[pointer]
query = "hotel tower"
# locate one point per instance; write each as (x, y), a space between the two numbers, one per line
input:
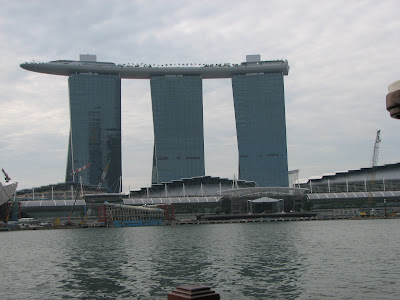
(177, 102)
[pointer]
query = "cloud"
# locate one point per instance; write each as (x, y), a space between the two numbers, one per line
(342, 57)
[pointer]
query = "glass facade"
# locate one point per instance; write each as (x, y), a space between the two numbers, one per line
(177, 103)
(95, 135)
(261, 128)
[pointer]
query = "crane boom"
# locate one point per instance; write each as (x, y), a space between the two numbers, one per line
(103, 175)
(375, 154)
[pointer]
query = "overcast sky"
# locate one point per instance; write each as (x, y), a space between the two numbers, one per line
(342, 57)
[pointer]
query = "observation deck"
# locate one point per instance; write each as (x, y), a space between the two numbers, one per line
(147, 71)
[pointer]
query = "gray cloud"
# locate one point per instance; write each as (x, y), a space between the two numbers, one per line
(342, 56)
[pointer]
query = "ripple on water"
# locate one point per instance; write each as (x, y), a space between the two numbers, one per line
(295, 260)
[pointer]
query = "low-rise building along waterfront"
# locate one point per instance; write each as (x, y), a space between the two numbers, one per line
(373, 186)
(197, 195)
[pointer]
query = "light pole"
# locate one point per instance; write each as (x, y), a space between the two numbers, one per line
(384, 201)
(249, 208)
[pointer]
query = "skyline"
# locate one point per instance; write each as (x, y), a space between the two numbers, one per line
(177, 107)
(342, 65)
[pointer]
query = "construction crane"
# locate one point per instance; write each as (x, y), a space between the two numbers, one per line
(374, 163)
(103, 175)
(77, 194)
(73, 206)
(375, 155)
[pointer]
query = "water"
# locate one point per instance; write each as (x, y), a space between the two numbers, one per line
(281, 260)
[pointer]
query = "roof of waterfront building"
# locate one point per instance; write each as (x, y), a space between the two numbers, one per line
(61, 186)
(353, 172)
(51, 203)
(89, 64)
(276, 191)
(353, 195)
(171, 200)
(194, 186)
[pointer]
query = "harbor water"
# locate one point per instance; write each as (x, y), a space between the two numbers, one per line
(341, 259)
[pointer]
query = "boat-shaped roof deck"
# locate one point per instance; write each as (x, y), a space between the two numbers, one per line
(147, 71)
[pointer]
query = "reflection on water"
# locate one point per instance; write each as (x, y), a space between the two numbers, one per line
(94, 266)
(295, 260)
